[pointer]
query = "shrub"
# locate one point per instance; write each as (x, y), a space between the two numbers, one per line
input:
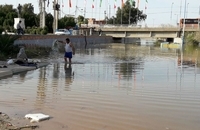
(43, 32)
(7, 47)
(1, 29)
(192, 38)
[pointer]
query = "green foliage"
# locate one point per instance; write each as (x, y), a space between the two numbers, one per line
(7, 15)
(192, 38)
(32, 20)
(66, 22)
(29, 16)
(2, 57)
(197, 36)
(80, 19)
(136, 15)
(7, 47)
(86, 21)
(35, 30)
(49, 23)
(1, 29)
(43, 32)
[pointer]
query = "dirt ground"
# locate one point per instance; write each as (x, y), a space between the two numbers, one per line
(6, 123)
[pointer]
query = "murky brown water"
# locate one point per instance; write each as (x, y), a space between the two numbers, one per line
(113, 88)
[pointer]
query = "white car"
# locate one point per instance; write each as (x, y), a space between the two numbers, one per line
(62, 32)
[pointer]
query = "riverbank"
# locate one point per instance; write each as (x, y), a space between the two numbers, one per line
(6, 123)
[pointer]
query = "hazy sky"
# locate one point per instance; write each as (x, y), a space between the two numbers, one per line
(158, 11)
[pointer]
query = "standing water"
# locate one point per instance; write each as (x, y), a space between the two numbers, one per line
(112, 87)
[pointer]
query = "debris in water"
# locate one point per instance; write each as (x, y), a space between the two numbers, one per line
(37, 117)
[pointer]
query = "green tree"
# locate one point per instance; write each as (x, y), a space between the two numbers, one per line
(80, 19)
(66, 22)
(49, 23)
(29, 16)
(136, 15)
(7, 15)
(7, 47)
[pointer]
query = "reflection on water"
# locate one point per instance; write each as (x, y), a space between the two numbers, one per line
(22, 76)
(41, 87)
(68, 75)
(111, 87)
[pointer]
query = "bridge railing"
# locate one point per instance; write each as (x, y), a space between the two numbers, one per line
(137, 26)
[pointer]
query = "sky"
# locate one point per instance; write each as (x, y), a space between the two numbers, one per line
(159, 12)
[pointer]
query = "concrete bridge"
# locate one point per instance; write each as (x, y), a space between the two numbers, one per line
(143, 32)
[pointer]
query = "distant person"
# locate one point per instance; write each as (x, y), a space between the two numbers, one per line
(19, 28)
(69, 50)
(21, 56)
(100, 32)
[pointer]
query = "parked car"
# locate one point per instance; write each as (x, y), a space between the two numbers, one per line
(62, 32)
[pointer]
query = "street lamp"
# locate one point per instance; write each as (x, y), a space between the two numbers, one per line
(199, 19)
(183, 35)
(176, 19)
(121, 16)
(187, 10)
(171, 10)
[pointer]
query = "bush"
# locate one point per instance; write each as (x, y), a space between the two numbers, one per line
(43, 32)
(7, 47)
(192, 38)
(2, 57)
(1, 29)
(38, 30)
(33, 31)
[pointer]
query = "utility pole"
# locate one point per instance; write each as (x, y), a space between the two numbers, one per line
(129, 17)
(171, 11)
(180, 9)
(105, 16)
(56, 8)
(183, 36)
(84, 12)
(109, 11)
(199, 19)
(187, 11)
(42, 13)
(121, 16)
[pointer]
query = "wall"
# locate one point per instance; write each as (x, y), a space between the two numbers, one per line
(47, 40)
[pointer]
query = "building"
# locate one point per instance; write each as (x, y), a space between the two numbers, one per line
(190, 23)
(94, 22)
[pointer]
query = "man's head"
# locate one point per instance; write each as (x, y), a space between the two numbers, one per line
(67, 40)
(20, 21)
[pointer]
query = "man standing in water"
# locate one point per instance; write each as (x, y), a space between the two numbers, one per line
(69, 50)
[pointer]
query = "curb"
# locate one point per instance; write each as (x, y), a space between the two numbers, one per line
(16, 69)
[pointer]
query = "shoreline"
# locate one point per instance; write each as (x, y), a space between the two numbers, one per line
(10, 70)
(6, 123)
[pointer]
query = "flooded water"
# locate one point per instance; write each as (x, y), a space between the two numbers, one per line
(113, 87)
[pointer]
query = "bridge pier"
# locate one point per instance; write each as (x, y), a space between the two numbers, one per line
(150, 34)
